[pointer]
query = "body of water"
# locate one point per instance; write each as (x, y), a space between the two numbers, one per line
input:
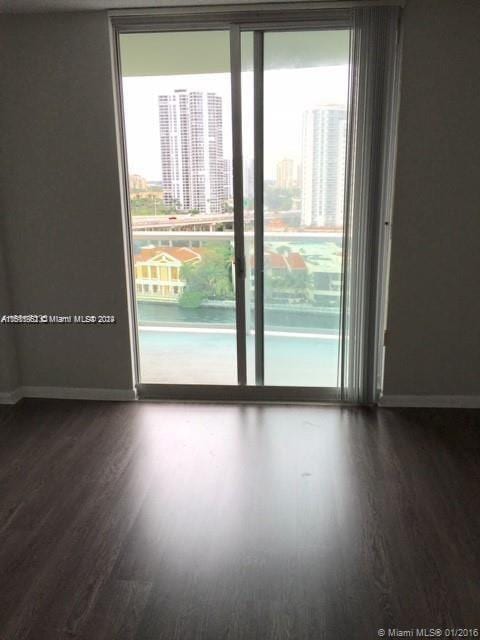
(279, 319)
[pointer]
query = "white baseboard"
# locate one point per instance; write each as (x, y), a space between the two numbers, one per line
(460, 402)
(87, 393)
(10, 397)
(68, 393)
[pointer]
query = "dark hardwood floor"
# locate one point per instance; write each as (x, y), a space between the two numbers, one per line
(146, 521)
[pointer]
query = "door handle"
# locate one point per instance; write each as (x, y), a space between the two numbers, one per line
(240, 266)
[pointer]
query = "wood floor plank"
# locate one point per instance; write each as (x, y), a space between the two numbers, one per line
(145, 521)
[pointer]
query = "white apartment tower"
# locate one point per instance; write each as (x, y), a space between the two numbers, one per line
(191, 147)
(323, 163)
(227, 179)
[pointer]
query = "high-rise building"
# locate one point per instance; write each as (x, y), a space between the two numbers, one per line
(248, 178)
(227, 179)
(323, 166)
(285, 173)
(191, 146)
(299, 175)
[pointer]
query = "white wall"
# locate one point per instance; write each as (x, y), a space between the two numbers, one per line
(9, 374)
(60, 197)
(434, 308)
(61, 201)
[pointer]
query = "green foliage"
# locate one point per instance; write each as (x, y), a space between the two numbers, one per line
(296, 283)
(191, 299)
(148, 207)
(277, 199)
(209, 279)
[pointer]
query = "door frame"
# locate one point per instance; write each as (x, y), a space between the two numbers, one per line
(235, 19)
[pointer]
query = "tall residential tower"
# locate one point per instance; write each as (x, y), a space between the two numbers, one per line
(191, 146)
(323, 163)
(285, 172)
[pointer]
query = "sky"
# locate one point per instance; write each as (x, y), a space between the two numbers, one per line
(287, 94)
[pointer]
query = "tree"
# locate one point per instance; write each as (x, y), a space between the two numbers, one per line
(145, 206)
(191, 300)
(278, 199)
(209, 279)
(288, 283)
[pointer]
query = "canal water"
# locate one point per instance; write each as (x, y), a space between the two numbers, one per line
(279, 319)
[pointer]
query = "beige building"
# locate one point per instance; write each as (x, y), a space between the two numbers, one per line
(137, 183)
(158, 272)
(285, 174)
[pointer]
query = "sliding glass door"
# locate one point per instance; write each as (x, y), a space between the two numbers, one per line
(305, 114)
(178, 123)
(242, 151)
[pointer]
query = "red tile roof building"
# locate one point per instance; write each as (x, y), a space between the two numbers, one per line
(158, 272)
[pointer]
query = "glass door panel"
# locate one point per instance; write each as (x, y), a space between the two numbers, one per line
(257, 198)
(290, 93)
(305, 102)
(178, 128)
(248, 198)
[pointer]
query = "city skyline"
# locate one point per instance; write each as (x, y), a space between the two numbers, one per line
(196, 176)
(283, 109)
